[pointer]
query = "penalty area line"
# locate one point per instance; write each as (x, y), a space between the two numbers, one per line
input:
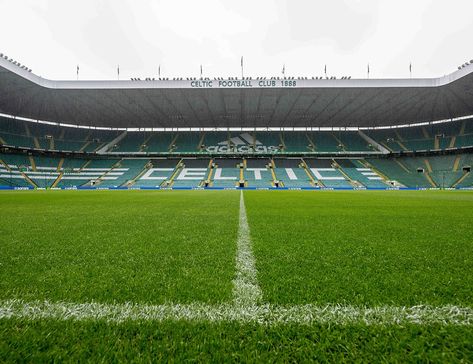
(270, 315)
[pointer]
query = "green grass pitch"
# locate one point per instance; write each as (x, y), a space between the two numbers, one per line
(349, 248)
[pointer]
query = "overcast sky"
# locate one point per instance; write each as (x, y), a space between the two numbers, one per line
(53, 37)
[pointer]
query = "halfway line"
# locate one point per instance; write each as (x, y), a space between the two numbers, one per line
(246, 290)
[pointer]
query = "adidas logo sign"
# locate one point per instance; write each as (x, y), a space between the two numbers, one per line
(242, 143)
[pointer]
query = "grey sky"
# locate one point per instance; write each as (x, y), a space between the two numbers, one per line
(52, 37)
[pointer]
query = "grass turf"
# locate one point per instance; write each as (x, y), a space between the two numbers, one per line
(115, 246)
(363, 247)
(47, 341)
(340, 247)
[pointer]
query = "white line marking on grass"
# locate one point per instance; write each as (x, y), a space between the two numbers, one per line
(246, 291)
(262, 314)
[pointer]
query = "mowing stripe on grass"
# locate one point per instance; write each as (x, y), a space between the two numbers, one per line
(246, 290)
(260, 314)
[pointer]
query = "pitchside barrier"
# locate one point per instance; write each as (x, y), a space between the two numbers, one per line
(82, 188)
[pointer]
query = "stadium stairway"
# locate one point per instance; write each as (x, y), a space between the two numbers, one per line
(145, 169)
(428, 166)
(456, 163)
(313, 181)
(172, 145)
(462, 128)
(400, 140)
(452, 141)
(210, 170)
(144, 146)
(272, 166)
(57, 180)
(7, 167)
(86, 164)
(341, 145)
(59, 166)
(36, 143)
(430, 180)
(425, 133)
(29, 180)
(352, 182)
(201, 141)
(177, 170)
(428, 175)
(11, 176)
(32, 163)
(402, 165)
(84, 147)
(384, 177)
(462, 179)
(402, 145)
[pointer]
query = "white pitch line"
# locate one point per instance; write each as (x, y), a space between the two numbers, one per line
(261, 314)
(246, 290)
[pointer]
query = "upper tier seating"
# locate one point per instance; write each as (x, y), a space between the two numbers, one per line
(18, 133)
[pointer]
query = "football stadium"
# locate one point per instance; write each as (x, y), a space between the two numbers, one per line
(247, 219)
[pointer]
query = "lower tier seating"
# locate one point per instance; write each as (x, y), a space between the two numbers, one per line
(21, 170)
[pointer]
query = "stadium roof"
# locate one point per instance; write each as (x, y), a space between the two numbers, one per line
(236, 103)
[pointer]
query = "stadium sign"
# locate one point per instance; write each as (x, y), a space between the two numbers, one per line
(242, 83)
(243, 143)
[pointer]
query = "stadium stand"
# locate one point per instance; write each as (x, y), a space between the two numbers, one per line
(425, 156)
(324, 142)
(187, 142)
(351, 141)
(193, 173)
(18, 133)
(20, 170)
(359, 174)
(158, 142)
(327, 173)
(292, 173)
(398, 172)
(303, 136)
(158, 173)
(257, 173)
(227, 173)
(296, 142)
